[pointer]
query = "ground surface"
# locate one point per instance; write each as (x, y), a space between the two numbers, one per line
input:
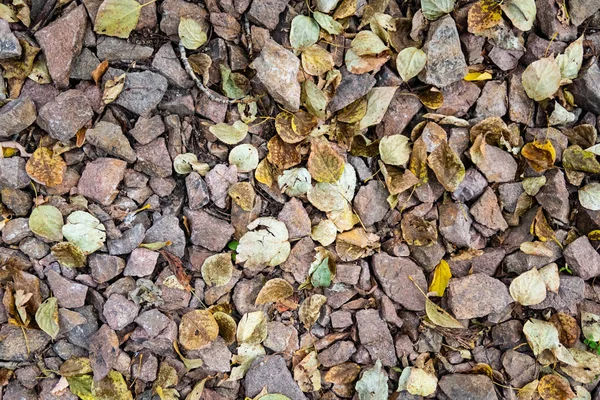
(299, 200)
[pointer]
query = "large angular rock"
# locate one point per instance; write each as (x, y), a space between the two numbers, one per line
(337, 353)
(167, 63)
(173, 10)
(393, 275)
(104, 267)
(100, 179)
(65, 115)
(266, 12)
(104, 351)
(476, 296)
(271, 372)
(520, 106)
(493, 100)
(16, 116)
(400, 112)
(111, 139)
(61, 42)
(84, 65)
(167, 229)
(455, 223)
(582, 258)
(486, 211)
(471, 186)
(375, 335)
(467, 387)
(554, 196)
(277, 69)
(208, 231)
(370, 203)
(497, 165)
(142, 91)
(13, 346)
(68, 293)
(445, 61)
(114, 49)
(296, 219)
(9, 44)
(586, 89)
(549, 25)
(352, 87)
(153, 158)
(571, 293)
(119, 311)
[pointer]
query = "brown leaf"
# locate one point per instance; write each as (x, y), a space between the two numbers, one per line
(342, 373)
(417, 231)
(266, 173)
(540, 156)
(283, 155)
(577, 159)
(99, 71)
(310, 309)
(274, 290)
(483, 15)
(227, 326)
(294, 127)
(418, 160)
(356, 244)
(197, 329)
(324, 163)
(177, 267)
(243, 194)
(555, 387)
(396, 179)
(568, 329)
(541, 228)
(46, 168)
(447, 166)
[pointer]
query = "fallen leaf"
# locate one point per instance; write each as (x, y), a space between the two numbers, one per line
(541, 228)
(47, 221)
(394, 150)
(342, 374)
(541, 79)
(68, 254)
(314, 99)
(529, 391)
(19, 68)
(187, 162)
(197, 329)
(555, 387)
(243, 194)
(586, 368)
(45, 167)
(520, 12)
(324, 163)
(440, 317)
(81, 386)
(441, 278)
(117, 17)
(397, 180)
(217, 269)
(550, 276)
(577, 159)
(542, 335)
(201, 63)
(528, 288)
(113, 88)
(483, 15)
(244, 157)
(283, 155)
(316, 60)
(590, 326)
(266, 246)
(307, 374)
(447, 166)
(373, 383)
(189, 363)
(324, 232)
(589, 196)
(378, 101)
(295, 181)
(417, 381)
(99, 71)
(113, 386)
(304, 32)
(431, 98)
(230, 134)
(336, 196)
(309, 310)
(540, 156)
(362, 64)
(246, 354)
(568, 330)
(417, 231)
(274, 290)
(478, 76)
(192, 33)
(328, 23)
(234, 85)
(356, 243)
(410, 62)
(85, 231)
(252, 328)
(227, 326)
(196, 393)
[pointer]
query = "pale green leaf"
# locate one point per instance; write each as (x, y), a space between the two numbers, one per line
(313, 98)
(244, 157)
(541, 79)
(590, 326)
(230, 134)
(542, 335)
(328, 23)
(589, 196)
(85, 231)
(192, 33)
(295, 181)
(46, 317)
(394, 149)
(373, 384)
(252, 328)
(433, 9)
(520, 12)
(366, 43)
(46, 221)
(410, 62)
(303, 32)
(265, 246)
(378, 101)
(334, 196)
(217, 269)
(117, 17)
(570, 61)
(528, 288)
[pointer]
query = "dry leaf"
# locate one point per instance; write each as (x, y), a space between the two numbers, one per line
(447, 166)
(252, 328)
(294, 127)
(324, 163)
(441, 278)
(307, 374)
(45, 167)
(555, 387)
(483, 15)
(274, 290)
(113, 88)
(217, 269)
(197, 329)
(528, 288)
(310, 309)
(540, 156)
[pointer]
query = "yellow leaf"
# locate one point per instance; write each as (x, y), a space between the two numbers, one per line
(46, 168)
(117, 17)
(555, 387)
(227, 326)
(431, 99)
(440, 317)
(441, 277)
(190, 363)
(478, 76)
(316, 60)
(276, 289)
(68, 254)
(594, 235)
(243, 194)
(197, 329)
(266, 173)
(324, 163)
(485, 14)
(540, 156)
(294, 127)
(310, 309)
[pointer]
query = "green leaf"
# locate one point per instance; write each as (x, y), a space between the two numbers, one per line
(81, 386)
(541, 79)
(394, 149)
(366, 43)
(410, 62)
(230, 134)
(378, 101)
(46, 317)
(303, 32)
(313, 98)
(234, 85)
(373, 384)
(188, 162)
(192, 33)
(117, 17)
(589, 196)
(320, 271)
(85, 231)
(47, 221)
(328, 23)
(433, 9)
(112, 387)
(570, 61)
(520, 12)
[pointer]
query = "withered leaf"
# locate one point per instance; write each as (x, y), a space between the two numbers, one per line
(484, 14)
(540, 156)
(274, 290)
(68, 254)
(577, 159)
(310, 309)
(447, 166)
(324, 163)
(197, 329)
(555, 387)
(283, 155)
(294, 127)
(45, 167)
(243, 194)
(227, 326)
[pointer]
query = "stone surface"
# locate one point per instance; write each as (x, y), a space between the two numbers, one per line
(100, 179)
(105, 267)
(208, 231)
(61, 42)
(471, 187)
(554, 196)
(167, 229)
(520, 106)
(68, 293)
(142, 91)
(580, 10)
(497, 165)
(458, 98)
(272, 373)
(445, 61)
(141, 262)
(493, 101)
(153, 158)
(486, 211)
(548, 23)
(213, 110)
(393, 272)
(467, 387)
(147, 129)
(219, 180)
(129, 240)
(570, 294)
(266, 12)
(173, 10)
(152, 321)
(586, 89)
(455, 223)
(520, 368)
(114, 49)
(351, 88)
(9, 45)
(16, 230)
(476, 296)
(65, 115)
(370, 203)
(197, 191)
(277, 69)
(16, 116)
(84, 65)
(167, 63)
(104, 351)
(111, 139)
(296, 219)
(119, 311)
(375, 336)
(582, 258)
(337, 353)
(13, 346)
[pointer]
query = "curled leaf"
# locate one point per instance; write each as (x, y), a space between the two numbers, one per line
(274, 290)
(46, 317)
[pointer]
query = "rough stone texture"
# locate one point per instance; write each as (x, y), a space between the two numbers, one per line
(554, 196)
(375, 336)
(219, 180)
(497, 165)
(583, 259)
(148, 129)
(104, 267)
(370, 203)
(142, 91)
(61, 42)
(277, 69)
(467, 387)
(84, 65)
(65, 115)
(455, 223)
(213, 110)
(580, 10)
(111, 139)
(167, 229)
(114, 49)
(167, 63)
(570, 293)
(266, 12)
(16, 116)
(208, 231)
(280, 336)
(586, 89)
(486, 211)
(272, 373)
(68, 293)
(337, 353)
(173, 10)
(458, 98)
(520, 106)
(393, 272)
(13, 346)
(9, 45)
(476, 296)
(296, 219)
(100, 179)
(351, 88)
(119, 311)
(493, 100)
(152, 321)
(130, 239)
(549, 24)
(153, 158)
(445, 61)
(141, 262)
(104, 351)
(471, 187)
(521, 368)
(197, 191)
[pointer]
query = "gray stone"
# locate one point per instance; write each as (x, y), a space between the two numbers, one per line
(9, 45)
(580, 10)
(173, 10)
(445, 61)
(467, 387)
(167, 229)
(68, 293)
(152, 321)
(272, 373)
(114, 49)
(111, 139)
(337, 353)
(554, 196)
(393, 275)
(538, 47)
(128, 241)
(167, 63)
(471, 186)
(104, 267)
(508, 195)
(504, 59)
(148, 129)
(520, 368)
(428, 257)
(197, 191)
(146, 368)
(295, 218)
(493, 100)
(104, 351)
(370, 203)
(508, 334)
(216, 356)
(153, 158)
(520, 106)
(458, 98)
(18, 201)
(549, 25)
(280, 337)
(375, 335)
(84, 65)
(586, 89)
(141, 262)
(216, 111)
(455, 223)
(582, 258)
(266, 12)
(61, 42)
(476, 296)
(208, 231)
(486, 211)
(351, 88)
(16, 115)
(119, 311)
(34, 248)
(100, 179)
(13, 346)
(497, 165)
(80, 334)
(142, 91)
(300, 258)
(474, 46)
(277, 69)
(219, 180)
(65, 115)
(16, 230)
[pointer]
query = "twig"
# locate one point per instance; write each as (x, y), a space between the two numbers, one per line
(14, 145)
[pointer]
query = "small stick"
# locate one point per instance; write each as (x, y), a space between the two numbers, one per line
(196, 80)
